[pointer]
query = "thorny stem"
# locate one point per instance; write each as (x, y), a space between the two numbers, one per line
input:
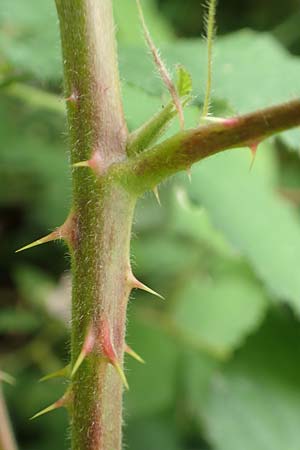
(106, 184)
(185, 148)
(103, 212)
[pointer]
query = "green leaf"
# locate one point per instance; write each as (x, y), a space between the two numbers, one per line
(254, 402)
(152, 385)
(184, 81)
(152, 434)
(129, 29)
(260, 225)
(244, 58)
(218, 313)
(34, 285)
(35, 166)
(161, 255)
(29, 37)
(199, 368)
(17, 321)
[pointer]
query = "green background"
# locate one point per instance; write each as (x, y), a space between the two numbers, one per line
(222, 351)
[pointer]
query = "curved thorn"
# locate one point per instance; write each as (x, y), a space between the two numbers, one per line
(145, 288)
(109, 352)
(78, 362)
(44, 411)
(133, 354)
(82, 164)
(50, 237)
(65, 372)
(156, 193)
(253, 148)
(64, 401)
(139, 285)
(121, 373)
(87, 348)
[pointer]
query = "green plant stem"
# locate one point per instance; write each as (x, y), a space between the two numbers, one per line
(210, 32)
(103, 211)
(179, 152)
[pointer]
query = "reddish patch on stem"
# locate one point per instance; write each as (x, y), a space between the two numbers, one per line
(95, 163)
(107, 347)
(73, 98)
(231, 121)
(108, 350)
(68, 230)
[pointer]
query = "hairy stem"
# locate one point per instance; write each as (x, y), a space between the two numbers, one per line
(103, 216)
(210, 32)
(179, 152)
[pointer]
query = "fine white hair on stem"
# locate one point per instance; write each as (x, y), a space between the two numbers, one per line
(210, 25)
(161, 67)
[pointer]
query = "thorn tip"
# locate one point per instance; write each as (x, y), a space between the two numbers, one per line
(121, 374)
(50, 237)
(133, 354)
(189, 174)
(64, 373)
(136, 284)
(64, 401)
(156, 193)
(253, 148)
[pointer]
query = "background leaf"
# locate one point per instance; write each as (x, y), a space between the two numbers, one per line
(255, 401)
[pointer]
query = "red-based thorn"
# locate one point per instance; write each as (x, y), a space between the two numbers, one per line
(136, 284)
(253, 148)
(65, 232)
(87, 348)
(133, 354)
(64, 402)
(73, 98)
(95, 163)
(108, 350)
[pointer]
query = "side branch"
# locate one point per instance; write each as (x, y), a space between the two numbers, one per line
(185, 148)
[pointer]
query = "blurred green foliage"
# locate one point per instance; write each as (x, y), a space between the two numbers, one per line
(222, 352)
